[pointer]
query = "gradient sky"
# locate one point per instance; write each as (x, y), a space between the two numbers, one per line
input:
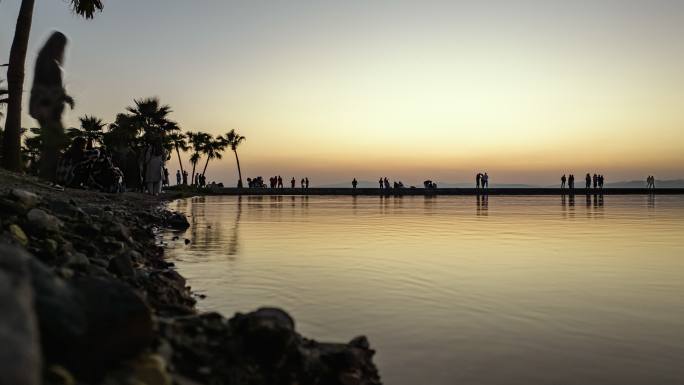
(526, 90)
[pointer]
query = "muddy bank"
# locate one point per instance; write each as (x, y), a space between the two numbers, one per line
(86, 297)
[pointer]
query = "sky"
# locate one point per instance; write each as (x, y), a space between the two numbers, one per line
(526, 90)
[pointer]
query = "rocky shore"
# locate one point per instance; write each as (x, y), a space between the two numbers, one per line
(86, 297)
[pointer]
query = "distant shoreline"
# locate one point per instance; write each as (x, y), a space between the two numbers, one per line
(439, 191)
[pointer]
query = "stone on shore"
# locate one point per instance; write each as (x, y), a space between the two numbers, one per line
(43, 221)
(177, 221)
(20, 357)
(26, 198)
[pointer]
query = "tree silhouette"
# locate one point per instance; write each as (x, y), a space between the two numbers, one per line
(197, 141)
(178, 141)
(11, 156)
(234, 139)
(91, 129)
(213, 149)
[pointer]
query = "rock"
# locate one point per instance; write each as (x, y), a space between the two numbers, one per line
(77, 260)
(177, 221)
(89, 324)
(18, 234)
(20, 355)
(43, 221)
(121, 265)
(26, 198)
(51, 246)
(59, 375)
(150, 369)
(187, 241)
(66, 209)
(267, 335)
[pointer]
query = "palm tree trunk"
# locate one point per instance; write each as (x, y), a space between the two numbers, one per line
(192, 180)
(205, 167)
(179, 161)
(239, 171)
(11, 158)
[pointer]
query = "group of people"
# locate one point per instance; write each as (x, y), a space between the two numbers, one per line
(481, 180)
(595, 180)
(276, 182)
(650, 182)
(571, 181)
(181, 177)
(83, 166)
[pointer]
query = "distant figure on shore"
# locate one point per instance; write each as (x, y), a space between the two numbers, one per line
(178, 177)
(293, 182)
(429, 185)
(600, 182)
(563, 179)
(594, 180)
(185, 178)
(381, 183)
(302, 183)
(650, 182)
(354, 183)
(306, 182)
(485, 181)
(280, 181)
(571, 182)
(166, 177)
(478, 179)
(387, 184)
(587, 180)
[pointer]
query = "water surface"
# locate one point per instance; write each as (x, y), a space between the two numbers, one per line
(458, 290)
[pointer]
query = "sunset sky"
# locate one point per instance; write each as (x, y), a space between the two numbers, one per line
(525, 90)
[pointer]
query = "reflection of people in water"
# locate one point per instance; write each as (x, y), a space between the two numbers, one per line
(482, 203)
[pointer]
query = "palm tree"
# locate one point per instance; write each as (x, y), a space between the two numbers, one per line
(234, 139)
(213, 149)
(91, 129)
(179, 142)
(197, 140)
(150, 115)
(11, 158)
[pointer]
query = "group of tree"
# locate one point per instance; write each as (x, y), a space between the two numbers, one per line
(130, 135)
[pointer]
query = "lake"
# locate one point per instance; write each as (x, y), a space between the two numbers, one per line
(457, 289)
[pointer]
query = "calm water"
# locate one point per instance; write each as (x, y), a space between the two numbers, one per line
(456, 290)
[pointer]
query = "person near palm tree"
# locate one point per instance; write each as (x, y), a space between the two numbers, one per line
(154, 167)
(178, 177)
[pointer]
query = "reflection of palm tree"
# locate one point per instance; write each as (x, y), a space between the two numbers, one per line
(234, 139)
(234, 242)
(15, 75)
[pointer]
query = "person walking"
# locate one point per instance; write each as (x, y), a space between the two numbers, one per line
(563, 179)
(354, 183)
(178, 177)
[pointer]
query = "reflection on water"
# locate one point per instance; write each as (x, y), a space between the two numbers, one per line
(522, 290)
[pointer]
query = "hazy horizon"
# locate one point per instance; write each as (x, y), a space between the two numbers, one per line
(408, 90)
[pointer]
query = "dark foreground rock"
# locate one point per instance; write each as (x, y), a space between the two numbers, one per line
(86, 297)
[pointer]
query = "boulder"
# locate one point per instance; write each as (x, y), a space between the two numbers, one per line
(26, 198)
(121, 265)
(20, 355)
(18, 234)
(177, 221)
(41, 220)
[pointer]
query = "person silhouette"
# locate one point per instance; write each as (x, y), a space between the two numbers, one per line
(380, 183)
(293, 182)
(571, 182)
(387, 183)
(302, 183)
(178, 177)
(478, 178)
(563, 179)
(306, 182)
(354, 183)
(587, 180)
(280, 181)
(595, 181)
(485, 181)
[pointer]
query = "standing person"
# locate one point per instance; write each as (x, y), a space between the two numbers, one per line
(485, 181)
(280, 181)
(185, 178)
(600, 181)
(178, 177)
(166, 176)
(306, 181)
(587, 180)
(354, 183)
(301, 183)
(595, 181)
(648, 182)
(380, 183)
(563, 179)
(571, 182)
(387, 184)
(653, 182)
(293, 182)
(478, 178)
(154, 170)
